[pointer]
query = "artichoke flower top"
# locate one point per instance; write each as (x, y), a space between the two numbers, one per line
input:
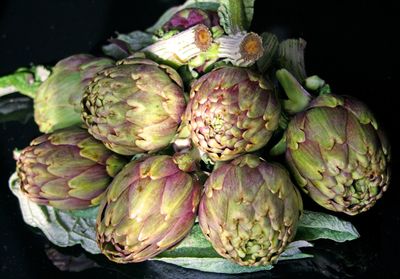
(231, 111)
(135, 106)
(67, 169)
(57, 102)
(338, 154)
(150, 206)
(250, 210)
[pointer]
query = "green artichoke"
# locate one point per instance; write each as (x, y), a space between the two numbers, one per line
(57, 102)
(67, 169)
(231, 111)
(250, 210)
(338, 155)
(150, 206)
(135, 106)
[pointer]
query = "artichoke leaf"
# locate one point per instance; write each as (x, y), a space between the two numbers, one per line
(68, 228)
(63, 228)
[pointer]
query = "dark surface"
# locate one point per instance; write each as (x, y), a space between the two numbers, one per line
(349, 45)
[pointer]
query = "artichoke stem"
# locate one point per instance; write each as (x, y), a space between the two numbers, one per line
(241, 49)
(291, 57)
(299, 98)
(182, 47)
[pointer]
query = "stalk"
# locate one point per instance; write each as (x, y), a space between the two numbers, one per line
(241, 49)
(182, 47)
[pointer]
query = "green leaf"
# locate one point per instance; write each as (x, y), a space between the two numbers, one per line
(196, 252)
(125, 44)
(236, 15)
(317, 225)
(211, 5)
(24, 80)
(61, 227)
(217, 265)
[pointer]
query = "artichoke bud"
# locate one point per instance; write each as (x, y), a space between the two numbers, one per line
(231, 111)
(250, 210)
(135, 106)
(338, 155)
(57, 102)
(67, 169)
(187, 18)
(150, 206)
(188, 161)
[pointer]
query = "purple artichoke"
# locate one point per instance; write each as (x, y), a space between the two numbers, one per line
(67, 169)
(338, 155)
(250, 210)
(231, 111)
(57, 102)
(150, 206)
(135, 106)
(187, 18)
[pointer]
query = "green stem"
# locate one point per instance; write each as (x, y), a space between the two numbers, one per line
(270, 45)
(291, 57)
(299, 98)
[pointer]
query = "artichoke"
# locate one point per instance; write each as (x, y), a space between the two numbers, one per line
(150, 206)
(231, 111)
(135, 106)
(250, 210)
(187, 18)
(57, 102)
(338, 155)
(67, 169)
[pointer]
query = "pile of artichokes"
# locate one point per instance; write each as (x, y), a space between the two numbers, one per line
(191, 121)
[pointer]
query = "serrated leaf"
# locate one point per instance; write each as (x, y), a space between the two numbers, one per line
(211, 5)
(317, 225)
(61, 227)
(236, 15)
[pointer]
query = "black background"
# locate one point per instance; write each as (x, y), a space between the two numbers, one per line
(351, 45)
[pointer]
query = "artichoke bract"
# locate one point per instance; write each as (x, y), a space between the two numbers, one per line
(135, 106)
(250, 210)
(231, 111)
(67, 169)
(338, 154)
(57, 102)
(150, 206)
